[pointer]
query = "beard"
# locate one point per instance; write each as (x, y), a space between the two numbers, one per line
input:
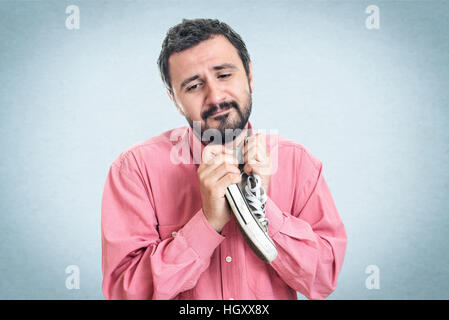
(229, 125)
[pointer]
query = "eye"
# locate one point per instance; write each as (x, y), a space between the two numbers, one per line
(196, 85)
(224, 75)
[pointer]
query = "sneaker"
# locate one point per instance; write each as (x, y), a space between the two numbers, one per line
(247, 202)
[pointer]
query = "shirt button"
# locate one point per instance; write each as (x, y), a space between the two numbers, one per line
(228, 259)
(174, 234)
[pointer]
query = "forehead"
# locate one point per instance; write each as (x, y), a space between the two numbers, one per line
(206, 54)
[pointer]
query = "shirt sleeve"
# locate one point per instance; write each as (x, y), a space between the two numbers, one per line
(136, 263)
(311, 240)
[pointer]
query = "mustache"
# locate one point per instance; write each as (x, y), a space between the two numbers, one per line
(220, 107)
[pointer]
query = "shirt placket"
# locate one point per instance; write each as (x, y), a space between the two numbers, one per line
(228, 262)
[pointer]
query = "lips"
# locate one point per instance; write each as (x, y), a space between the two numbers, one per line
(220, 112)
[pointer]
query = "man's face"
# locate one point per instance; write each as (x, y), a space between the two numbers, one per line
(210, 85)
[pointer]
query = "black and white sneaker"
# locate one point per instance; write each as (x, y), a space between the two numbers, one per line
(247, 202)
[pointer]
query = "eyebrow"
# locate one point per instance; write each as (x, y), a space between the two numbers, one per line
(216, 68)
(225, 66)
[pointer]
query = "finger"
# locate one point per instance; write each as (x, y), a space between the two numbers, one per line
(258, 139)
(248, 169)
(222, 157)
(249, 154)
(211, 151)
(260, 169)
(262, 141)
(205, 169)
(214, 180)
(211, 161)
(222, 170)
(228, 179)
(254, 153)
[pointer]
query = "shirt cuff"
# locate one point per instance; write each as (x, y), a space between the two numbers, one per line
(276, 218)
(200, 235)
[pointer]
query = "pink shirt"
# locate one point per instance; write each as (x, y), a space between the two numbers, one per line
(157, 243)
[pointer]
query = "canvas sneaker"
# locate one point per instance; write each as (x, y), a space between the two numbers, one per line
(247, 202)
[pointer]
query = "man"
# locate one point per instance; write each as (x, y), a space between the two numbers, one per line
(167, 230)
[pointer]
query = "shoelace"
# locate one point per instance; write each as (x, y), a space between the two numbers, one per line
(254, 192)
(256, 196)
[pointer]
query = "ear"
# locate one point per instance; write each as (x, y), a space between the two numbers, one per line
(250, 77)
(169, 95)
(176, 104)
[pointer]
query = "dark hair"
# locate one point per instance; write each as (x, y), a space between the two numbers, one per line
(188, 34)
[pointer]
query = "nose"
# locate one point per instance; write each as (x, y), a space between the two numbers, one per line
(215, 94)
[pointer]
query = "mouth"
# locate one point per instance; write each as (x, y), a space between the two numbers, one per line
(221, 112)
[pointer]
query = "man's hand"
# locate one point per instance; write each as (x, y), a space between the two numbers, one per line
(218, 170)
(257, 159)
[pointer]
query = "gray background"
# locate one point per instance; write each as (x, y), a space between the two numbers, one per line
(372, 105)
